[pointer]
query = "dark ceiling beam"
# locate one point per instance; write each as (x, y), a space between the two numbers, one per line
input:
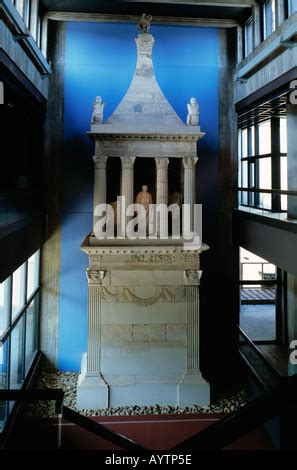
(221, 3)
(98, 17)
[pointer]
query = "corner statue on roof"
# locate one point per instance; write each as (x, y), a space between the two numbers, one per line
(98, 108)
(193, 113)
(145, 23)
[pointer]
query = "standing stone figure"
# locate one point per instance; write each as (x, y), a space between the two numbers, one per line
(145, 23)
(98, 107)
(145, 199)
(193, 113)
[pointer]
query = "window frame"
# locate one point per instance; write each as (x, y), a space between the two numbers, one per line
(252, 158)
(290, 10)
(248, 23)
(20, 320)
(266, 34)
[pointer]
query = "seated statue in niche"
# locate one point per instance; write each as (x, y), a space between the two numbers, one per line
(175, 198)
(98, 108)
(144, 23)
(193, 113)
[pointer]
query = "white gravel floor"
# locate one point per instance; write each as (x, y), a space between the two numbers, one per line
(68, 381)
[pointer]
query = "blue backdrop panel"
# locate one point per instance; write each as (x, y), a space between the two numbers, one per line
(100, 60)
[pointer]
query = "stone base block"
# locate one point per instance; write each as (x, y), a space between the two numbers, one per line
(193, 390)
(92, 393)
(92, 390)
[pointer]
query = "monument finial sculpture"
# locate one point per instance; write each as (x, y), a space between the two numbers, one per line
(193, 113)
(144, 23)
(98, 108)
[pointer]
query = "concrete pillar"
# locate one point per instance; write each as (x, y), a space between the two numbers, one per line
(33, 17)
(99, 184)
(127, 190)
(189, 164)
(292, 158)
(92, 390)
(192, 384)
(162, 195)
(44, 33)
(257, 25)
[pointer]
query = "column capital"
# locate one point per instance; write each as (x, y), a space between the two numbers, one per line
(162, 163)
(127, 163)
(95, 276)
(189, 162)
(100, 162)
(192, 278)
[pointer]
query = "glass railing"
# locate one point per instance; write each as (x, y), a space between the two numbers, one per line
(274, 203)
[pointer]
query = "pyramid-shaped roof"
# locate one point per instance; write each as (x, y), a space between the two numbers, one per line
(144, 109)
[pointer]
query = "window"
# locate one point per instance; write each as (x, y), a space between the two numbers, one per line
(258, 293)
(3, 382)
(18, 290)
(292, 7)
(19, 327)
(33, 274)
(248, 37)
(284, 162)
(263, 164)
(26, 12)
(38, 29)
(268, 17)
(5, 302)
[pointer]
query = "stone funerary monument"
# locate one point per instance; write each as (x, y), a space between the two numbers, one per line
(143, 294)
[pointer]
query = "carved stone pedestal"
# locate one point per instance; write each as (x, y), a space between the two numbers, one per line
(143, 341)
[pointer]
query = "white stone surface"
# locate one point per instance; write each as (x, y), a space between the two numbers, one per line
(193, 389)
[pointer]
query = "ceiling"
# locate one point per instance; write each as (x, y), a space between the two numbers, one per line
(175, 8)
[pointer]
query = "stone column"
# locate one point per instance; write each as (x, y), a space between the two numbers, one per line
(189, 194)
(127, 190)
(95, 279)
(292, 158)
(99, 184)
(193, 388)
(92, 390)
(162, 196)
